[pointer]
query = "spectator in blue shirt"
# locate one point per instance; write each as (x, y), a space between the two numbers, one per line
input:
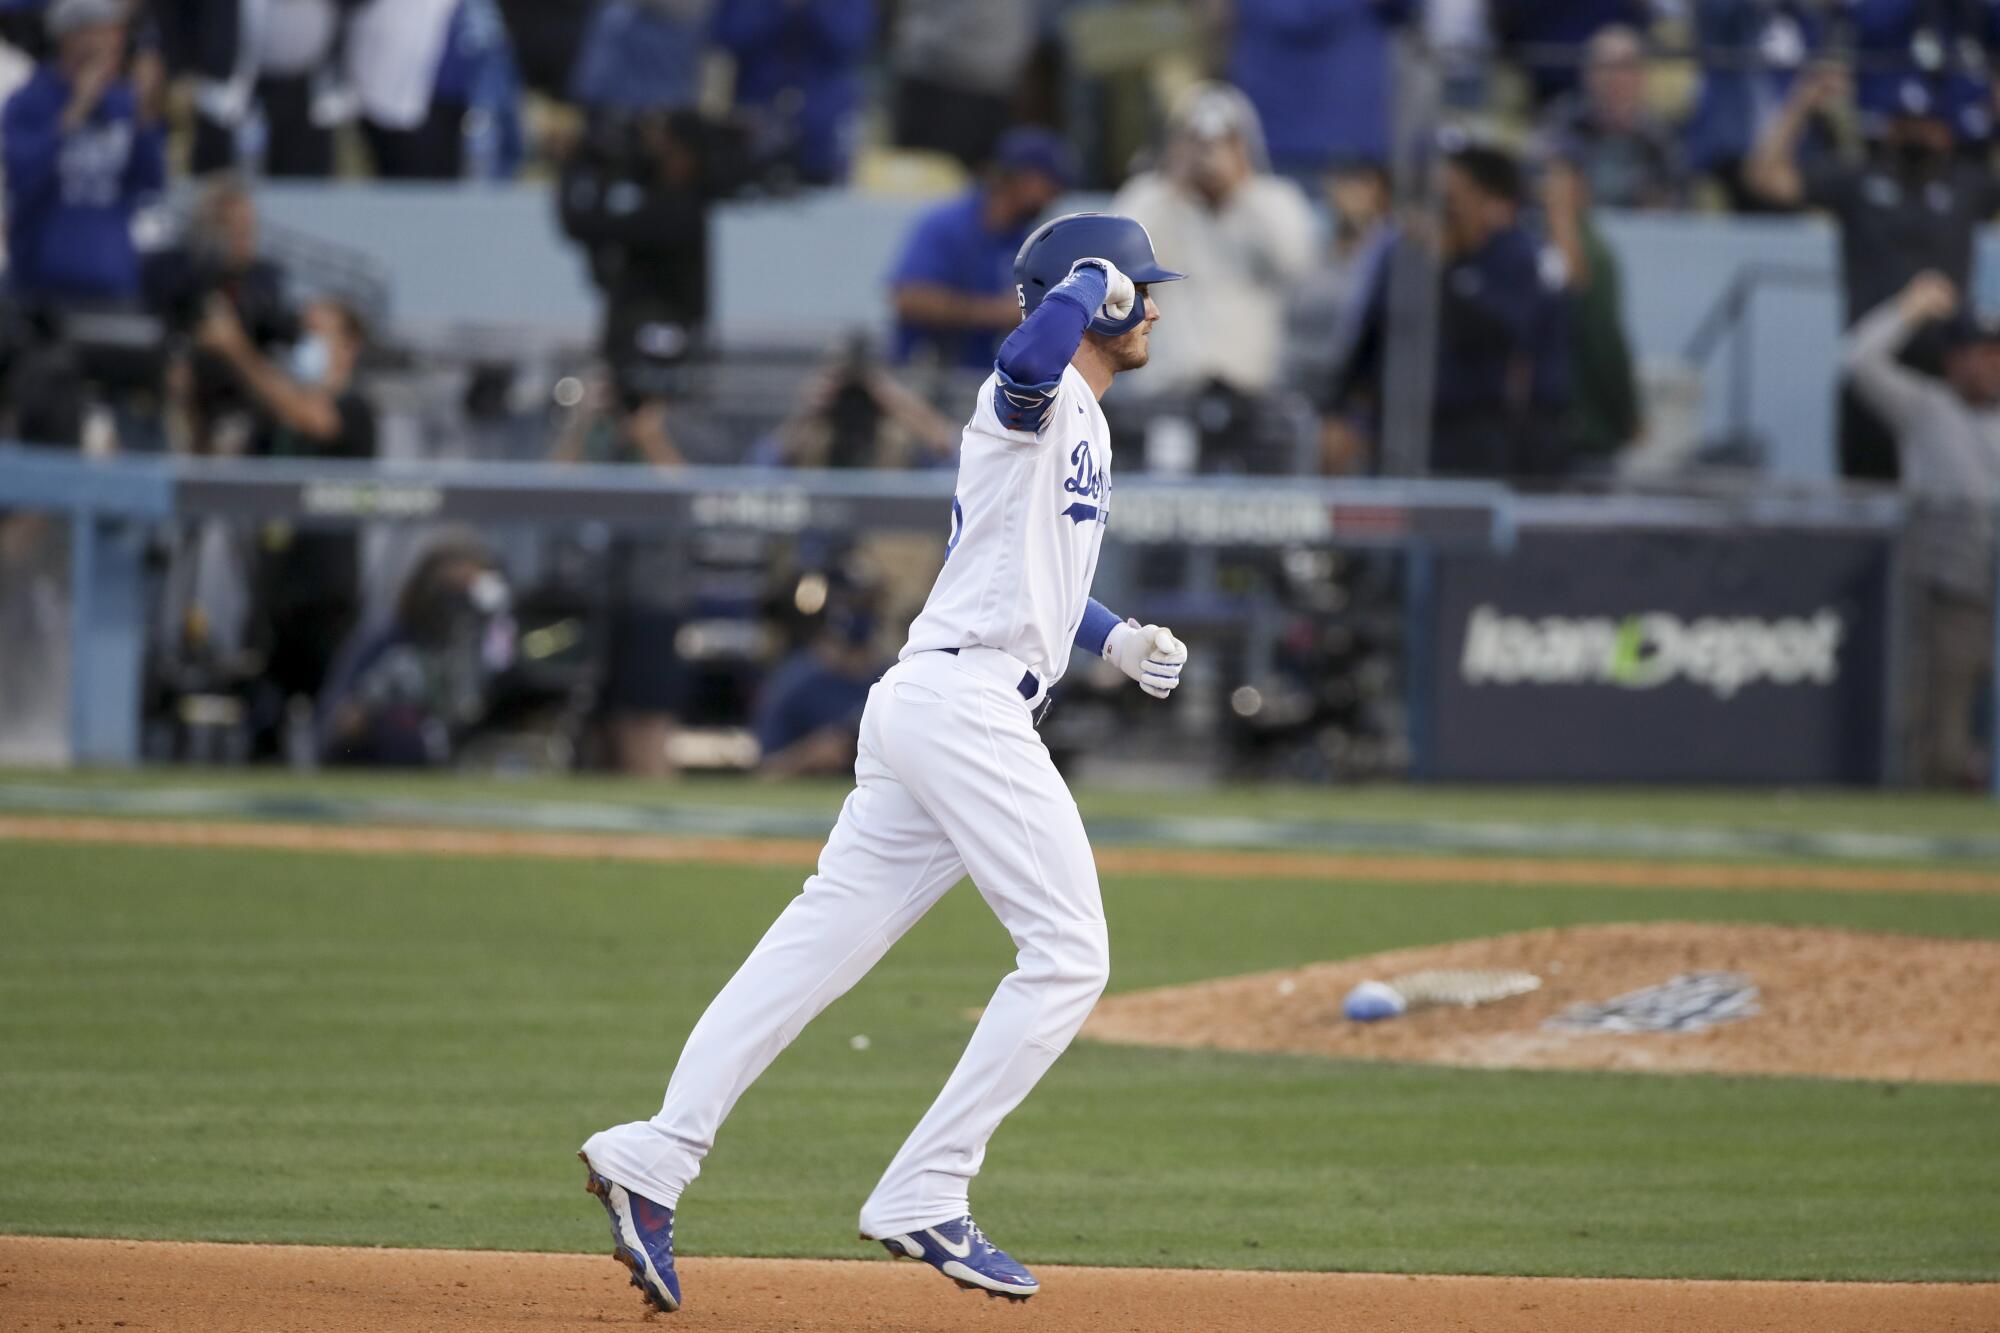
(798, 72)
(1318, 72)
(82, 146)
(1754, 54)
(641, 55)
(1550, 35)
(809, 712)
(1920, 53)
(953, 287)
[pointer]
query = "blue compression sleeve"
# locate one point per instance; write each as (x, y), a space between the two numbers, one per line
(1096, 626)
(1031, 361)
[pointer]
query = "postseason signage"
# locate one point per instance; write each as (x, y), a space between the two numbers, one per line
(1696, 656)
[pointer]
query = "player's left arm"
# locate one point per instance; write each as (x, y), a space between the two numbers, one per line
(1149, 654)
(1032, 359)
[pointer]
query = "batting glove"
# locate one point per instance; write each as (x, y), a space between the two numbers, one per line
(1119, 293)
(1148, 654)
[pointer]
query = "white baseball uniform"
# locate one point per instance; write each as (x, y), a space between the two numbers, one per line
(950, 779)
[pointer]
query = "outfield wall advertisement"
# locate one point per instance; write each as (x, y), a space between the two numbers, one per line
(1688, 656)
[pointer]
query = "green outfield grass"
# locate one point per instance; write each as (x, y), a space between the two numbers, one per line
(406, 1051)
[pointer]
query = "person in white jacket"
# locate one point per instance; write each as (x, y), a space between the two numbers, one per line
(1248, 237)
(394, 51)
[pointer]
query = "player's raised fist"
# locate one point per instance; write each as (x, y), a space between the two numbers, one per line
(1119, 293)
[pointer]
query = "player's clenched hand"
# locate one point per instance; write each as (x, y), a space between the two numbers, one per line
(1148, 654)
(1119, 293)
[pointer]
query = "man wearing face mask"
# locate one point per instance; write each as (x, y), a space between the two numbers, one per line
(1911, 206)
(307, 409)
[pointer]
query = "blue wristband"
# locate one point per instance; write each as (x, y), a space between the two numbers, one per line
(1096, 626)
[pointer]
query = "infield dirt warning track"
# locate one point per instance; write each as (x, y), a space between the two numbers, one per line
(155, 1285)
(801, 853)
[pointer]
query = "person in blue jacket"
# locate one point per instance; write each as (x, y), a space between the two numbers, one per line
(952, 288)
(1502, 328)
(1318, 72)
(641, 55)
(1938, 53)
(1755, 52)
(809, 710)
(82, 146)
(798, 72)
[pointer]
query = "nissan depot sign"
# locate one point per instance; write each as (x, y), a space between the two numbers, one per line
(1695, 656)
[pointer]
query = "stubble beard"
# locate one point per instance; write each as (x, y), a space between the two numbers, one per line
(1129, 351)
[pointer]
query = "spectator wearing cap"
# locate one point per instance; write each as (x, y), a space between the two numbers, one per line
(1933, 53)
(1248, 238)
(957, 65)
(83, 145)
(1629, 158)
(1318, 72)
(1501, 320)
(1908, 207)
(1549, 35)
(1758, 51)
(953, 286)
(1948, 431)
(798, 75)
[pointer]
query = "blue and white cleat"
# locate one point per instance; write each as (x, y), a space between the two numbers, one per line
(642, 1238)
(962, 1253)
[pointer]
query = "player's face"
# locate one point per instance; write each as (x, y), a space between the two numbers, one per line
(1129, 351)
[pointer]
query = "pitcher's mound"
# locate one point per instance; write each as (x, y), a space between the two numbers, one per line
(1836, 1003)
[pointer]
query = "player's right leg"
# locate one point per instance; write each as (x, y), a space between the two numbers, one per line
(979, 764)
(884, 865)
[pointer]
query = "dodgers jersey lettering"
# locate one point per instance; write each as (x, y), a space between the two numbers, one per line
(1027, 522)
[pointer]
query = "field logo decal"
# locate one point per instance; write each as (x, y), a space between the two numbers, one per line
(1689, 1002)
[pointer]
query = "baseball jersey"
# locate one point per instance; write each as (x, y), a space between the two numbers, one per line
(1026, 524)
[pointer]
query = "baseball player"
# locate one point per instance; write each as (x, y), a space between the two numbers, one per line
(950, 780)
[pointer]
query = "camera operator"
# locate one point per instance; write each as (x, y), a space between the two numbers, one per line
(405, 692)
(311, 409)
(636, 195)
(219, 258)
(854, 413)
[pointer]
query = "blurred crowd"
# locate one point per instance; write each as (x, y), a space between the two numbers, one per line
(1347, 179)
(1309, 160)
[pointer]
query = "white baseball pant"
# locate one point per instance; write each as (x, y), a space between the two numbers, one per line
(950, 778)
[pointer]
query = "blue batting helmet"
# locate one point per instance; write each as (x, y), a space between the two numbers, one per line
(1047, 256)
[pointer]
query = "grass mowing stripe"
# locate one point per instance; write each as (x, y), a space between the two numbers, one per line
(1331, 830)
(1771, 811)
(405, 1050)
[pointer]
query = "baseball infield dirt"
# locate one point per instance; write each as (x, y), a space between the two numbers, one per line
(1838, 1003)
(104, 1284)
(801, 853)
